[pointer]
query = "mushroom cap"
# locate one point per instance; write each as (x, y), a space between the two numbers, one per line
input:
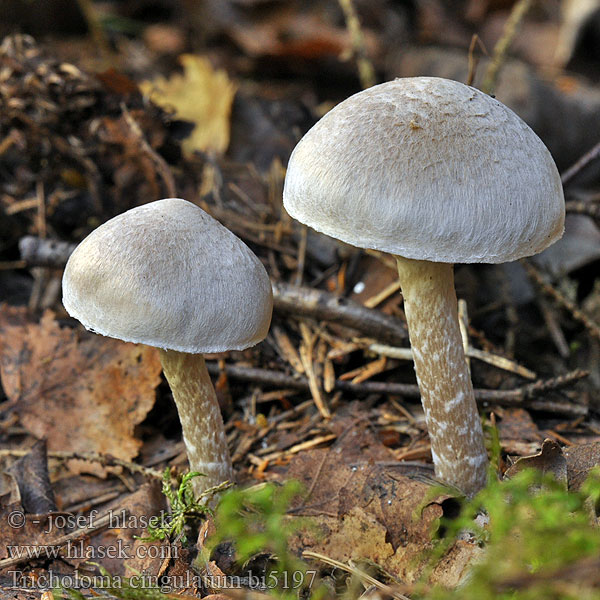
(168, 275)
(430, 169)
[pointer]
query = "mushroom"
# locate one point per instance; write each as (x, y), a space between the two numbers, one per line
(168, 275)
(434, 172)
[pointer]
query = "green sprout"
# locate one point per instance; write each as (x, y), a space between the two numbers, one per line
(185, 507)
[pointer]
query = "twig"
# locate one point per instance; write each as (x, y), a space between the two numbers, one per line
(580, 164)
(492, 359)
(583, 208)
(11, 265)
(287, 350)
(306, 356)
(384, 294)
(306, 445)
(474, 60)
(558, 337)
(366, 72)
(104, 460)
(364, 577)
(41, 225)
(323, 306)
(95, 26)
(463, 324)
(525, 395)
(161, 165)
(510, 311)
(103, 498)
(571, 307)
(301, 255)
(511, 28)
(542, 386)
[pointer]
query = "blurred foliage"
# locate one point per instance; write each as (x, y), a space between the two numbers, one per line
(539, 540)
(255, 521)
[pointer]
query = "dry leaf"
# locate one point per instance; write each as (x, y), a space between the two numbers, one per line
(580, 460)
(361, 505)
(31, 474)
(370, 512)
(550, 459)
(130, 516)
(517, 424)
(24, 530)
(201, 95)
(81, 392)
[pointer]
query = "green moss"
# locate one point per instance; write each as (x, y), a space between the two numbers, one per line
(538, 542)
(185, 507)
(254, 520)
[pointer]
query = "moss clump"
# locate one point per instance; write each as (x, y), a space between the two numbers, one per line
(541, 541)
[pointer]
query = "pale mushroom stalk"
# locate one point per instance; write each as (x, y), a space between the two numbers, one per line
(200, 417)
(455, 432)
(439, 173)
(168, 275)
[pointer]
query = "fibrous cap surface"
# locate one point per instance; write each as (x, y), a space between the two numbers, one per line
(427, 168)
(168, 275)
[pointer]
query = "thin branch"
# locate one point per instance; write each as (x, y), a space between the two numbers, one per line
(474, 60)
(323, 306)
(366, 72)
(160, 163)
(511, 28)
(496, 360)
(571, 307)
(522, 396)
(351, 568)
(102, 459)
(580, 207)
(580, 164)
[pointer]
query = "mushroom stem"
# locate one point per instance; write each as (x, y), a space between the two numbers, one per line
(200, 416)
(431, 309)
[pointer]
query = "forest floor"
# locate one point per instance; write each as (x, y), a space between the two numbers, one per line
(107, 106)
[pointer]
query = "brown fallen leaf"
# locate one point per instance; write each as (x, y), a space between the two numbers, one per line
(580, 460)
(370, 512)
(31, 475)
(570, 466)
(9, 489)
(81, 392)
(517, 424)
(291, 35)
(201, 95)
(550, 459)
(129, 519)
(20, 532)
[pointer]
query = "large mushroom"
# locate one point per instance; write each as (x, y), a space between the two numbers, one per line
(168, 275)
(434, 172)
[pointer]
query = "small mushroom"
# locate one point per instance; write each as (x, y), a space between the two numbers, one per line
(434, 172)
(168, 275)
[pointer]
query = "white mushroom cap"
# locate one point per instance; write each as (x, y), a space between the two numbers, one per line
(168, 275)
(430, 169)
